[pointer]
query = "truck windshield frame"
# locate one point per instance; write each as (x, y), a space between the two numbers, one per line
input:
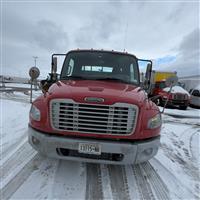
(100, 65)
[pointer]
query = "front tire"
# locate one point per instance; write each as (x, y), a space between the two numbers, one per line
(161, 102)
(183, 107)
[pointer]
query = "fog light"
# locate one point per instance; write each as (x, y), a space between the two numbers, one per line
(148, 152)
(35, 141)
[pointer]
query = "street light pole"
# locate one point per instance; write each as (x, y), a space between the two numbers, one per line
(35, 60)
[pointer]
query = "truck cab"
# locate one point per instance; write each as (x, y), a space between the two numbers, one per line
(96, 111)
(177, 97)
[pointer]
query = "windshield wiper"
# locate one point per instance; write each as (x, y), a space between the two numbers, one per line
(112, 79)
(99, 79)
(72, 77)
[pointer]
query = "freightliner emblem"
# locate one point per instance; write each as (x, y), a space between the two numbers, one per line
(94, 99)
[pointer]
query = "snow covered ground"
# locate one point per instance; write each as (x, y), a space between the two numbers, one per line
(172, 174)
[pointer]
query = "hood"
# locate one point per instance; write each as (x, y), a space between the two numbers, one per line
(110, 91)
(176, 89)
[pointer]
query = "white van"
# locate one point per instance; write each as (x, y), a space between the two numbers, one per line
(195, 96)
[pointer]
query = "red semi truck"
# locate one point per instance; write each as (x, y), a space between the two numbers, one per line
(96, 110)
(176, 97)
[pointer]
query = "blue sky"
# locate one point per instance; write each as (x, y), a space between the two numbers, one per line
(164, 60)
(157, 63)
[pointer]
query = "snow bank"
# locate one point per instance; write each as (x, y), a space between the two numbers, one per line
(14, 122)
(190, 113)
(197, 87)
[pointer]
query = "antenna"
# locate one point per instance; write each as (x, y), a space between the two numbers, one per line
(35, 59)
(125, 36)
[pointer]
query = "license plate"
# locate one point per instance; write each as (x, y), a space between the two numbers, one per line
(89, 148)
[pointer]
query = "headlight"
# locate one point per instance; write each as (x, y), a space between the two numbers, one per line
(186, 97)
(155, 122)
(35, 113)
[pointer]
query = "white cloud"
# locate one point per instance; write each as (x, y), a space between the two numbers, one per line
(147, 29)
(188, 57)
(50, 36)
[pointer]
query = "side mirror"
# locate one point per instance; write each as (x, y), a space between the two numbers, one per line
(53, 73)
(54, 65)
(148, 76)
(148, 71)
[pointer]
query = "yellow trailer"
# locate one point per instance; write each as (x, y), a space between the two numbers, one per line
(159, 76)
(162, 76)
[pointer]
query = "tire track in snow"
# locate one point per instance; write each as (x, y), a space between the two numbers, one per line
(119, 183)
(15, 98)
(107, 192)
(185, 164)
(194, 157)
(5, 154)
(144, 187)
(131, 179)
(94, 189)
(177, 189)
(11, 187)
(21, 157)
(156, 183)
(178, 150)
(177, 121)
(182, 144)
(39, 183)
(181, 116)
(69, 180)
(187, 136)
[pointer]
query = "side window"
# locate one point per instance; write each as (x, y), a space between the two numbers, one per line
(108, 69)
(133, 73)
(162, 85)
(70, 67)
(97, 69)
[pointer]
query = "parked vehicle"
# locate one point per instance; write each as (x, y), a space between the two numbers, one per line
(96, 111)
(195, 96)
(178, 95)
(159, 78)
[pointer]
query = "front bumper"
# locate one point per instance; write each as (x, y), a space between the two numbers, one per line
(113, 152)
(172, 102)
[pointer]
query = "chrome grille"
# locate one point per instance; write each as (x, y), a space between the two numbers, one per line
(180, 96)
(67, 115)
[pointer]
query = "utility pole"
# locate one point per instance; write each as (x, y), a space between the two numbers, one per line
(32, 79)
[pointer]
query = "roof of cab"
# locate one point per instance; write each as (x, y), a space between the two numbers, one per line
(102, 50)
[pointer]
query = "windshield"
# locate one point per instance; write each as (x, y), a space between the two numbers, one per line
(160, 85)
(100, 66)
